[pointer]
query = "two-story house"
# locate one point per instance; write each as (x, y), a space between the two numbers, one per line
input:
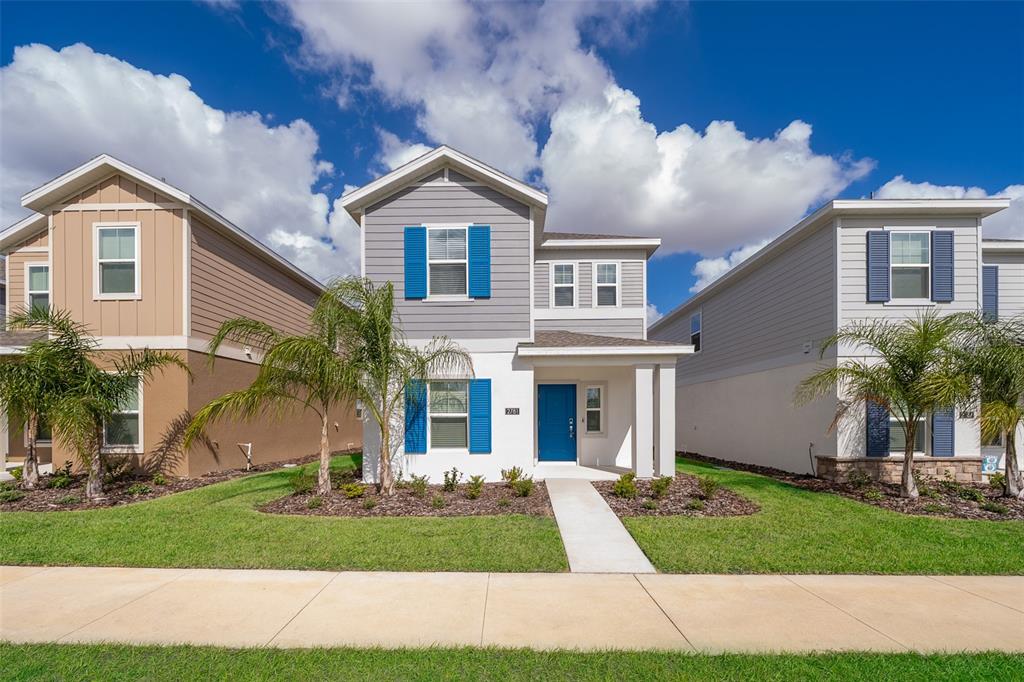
(141, 263)
(758, 332)
(564, 379)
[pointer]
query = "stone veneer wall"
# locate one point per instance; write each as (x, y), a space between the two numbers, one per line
(888, 469)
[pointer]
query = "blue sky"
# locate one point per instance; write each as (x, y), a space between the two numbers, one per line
(932, 92)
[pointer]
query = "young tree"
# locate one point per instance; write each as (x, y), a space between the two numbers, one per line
(380, 364)
(910, 370)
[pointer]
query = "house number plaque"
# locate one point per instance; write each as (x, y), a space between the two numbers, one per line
(511, 410)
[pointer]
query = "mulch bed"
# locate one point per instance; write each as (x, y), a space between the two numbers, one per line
(495, 499)
(72, 497)
(939, 497)
(683, 497)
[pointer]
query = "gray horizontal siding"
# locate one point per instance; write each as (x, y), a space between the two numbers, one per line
(631, 274)
(507, 313)
(621, 327)
(632, 284)
(541, 284)
(585, 278)
(765, 317)
(1011, 281)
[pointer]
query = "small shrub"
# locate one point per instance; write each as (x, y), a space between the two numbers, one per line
(17, 472)
(301, 480)
(451, 480)
(438, 502)
(994, 507)
(874, 495)
(8, 485)
(625, 487)
(929, 492)
(972, 494)
(314, 502)
(504, 502)
(159, 479)
(708, 486)
(695, 504)
(139, 489)
(659, 486)
(950, 484)
(69, 499)
(475, 487)
(418, 486)
(858, 479)
(998, 481)
(61, 478)
(935, 508)
(11, 495)
(369, 503)
(649, 504)
(510, 476)
(353, 490)
(523, 487)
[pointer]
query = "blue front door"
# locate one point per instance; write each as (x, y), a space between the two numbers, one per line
(556, 422)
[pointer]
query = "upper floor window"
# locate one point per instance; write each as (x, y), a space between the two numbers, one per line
(606, 281)
(117, 261)
(910, 265)
(446, 261)
(695, 326)
(449, 414)
(563, 285)
(37, 286)
(123, 431)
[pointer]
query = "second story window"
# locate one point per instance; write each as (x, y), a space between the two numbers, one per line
(606, 283)
(563, 285)
(117, 261)
(37, 286)
(695, 331)
(910, 265)
(446, 261)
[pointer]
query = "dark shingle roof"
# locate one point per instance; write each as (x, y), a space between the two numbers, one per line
(559, 338)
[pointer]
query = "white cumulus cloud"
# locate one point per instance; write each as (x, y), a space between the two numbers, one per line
(708, 270)
(653, 314)
(1007, 223)
(61, 108)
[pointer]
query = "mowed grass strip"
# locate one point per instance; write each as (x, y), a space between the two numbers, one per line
(118, 662)
(218, 526)
(798, 531)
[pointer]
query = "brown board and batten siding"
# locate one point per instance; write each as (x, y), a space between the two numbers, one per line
(117, 189)
(506, 314)
(763, 319)
(228, 281)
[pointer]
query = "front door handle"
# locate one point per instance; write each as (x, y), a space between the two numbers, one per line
(572, 430)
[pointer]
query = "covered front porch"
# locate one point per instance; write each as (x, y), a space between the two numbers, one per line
(604, 405)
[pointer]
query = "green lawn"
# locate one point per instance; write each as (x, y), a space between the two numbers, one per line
(218, 526)
(114, 662)
(799, 531)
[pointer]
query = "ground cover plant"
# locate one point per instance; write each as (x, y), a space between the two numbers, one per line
(682, 494)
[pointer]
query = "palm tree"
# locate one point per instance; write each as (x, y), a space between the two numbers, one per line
(992, 354)
(380, 364)
(912, 373)
(297, 373)
(82, 406)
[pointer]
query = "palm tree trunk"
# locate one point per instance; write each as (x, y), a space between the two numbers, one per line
(908, 486)
(323, 484)
(387, 479)
(1014, 486)
(30, 471)
(94, 484)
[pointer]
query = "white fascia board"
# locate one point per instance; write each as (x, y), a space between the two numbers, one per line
(978, 207)
(27, 225)
(590, 351)
(596, 243)
(1001, 246)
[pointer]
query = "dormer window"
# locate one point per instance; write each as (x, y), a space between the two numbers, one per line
(446, 261)
(563, 285)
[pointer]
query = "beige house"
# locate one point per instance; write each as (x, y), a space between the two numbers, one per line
(144, 264)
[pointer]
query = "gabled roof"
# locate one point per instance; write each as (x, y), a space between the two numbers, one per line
(358, 199)
(103, 166)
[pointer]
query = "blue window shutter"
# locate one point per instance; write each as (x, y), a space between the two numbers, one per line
(942, 266)
(415, 262)
(480, 416)
(878, 430)
(416, 416)
(878, 266)
(990, 292)
(943, 428)
(480, 261)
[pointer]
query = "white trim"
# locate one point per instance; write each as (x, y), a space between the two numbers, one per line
(601, 386)
(29, 265)
(32, 249)
(430, 417)
(639, 242)
(192, 343)
(136, 448)
(911, 230)
(26, 224)
(186, 273)
(645, 301)
(530, 352)
(989, 245)
(603, 313)
(7, 289)
(448, 261)
(594, 284)
(98, 295)
(362, 244)
(533, 280)
(575, 285)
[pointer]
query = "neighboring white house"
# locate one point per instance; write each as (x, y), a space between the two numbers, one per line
(564, 379)
(759, 331)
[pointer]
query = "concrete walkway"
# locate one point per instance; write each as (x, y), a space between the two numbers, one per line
(594, 538)
(707, 613)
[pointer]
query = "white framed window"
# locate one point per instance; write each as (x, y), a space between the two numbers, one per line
(606, 284)
(37, 286)
(123, 431)
(448, 403)
(116, 255)
(594, 409)
(695, 328)
(910, 265)
(898, 439)
(563, 285)
(447, 265)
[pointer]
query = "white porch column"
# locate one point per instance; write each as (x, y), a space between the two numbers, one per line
(664, 447)
(643, 421)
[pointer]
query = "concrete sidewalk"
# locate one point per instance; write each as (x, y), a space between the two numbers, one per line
(706, 613)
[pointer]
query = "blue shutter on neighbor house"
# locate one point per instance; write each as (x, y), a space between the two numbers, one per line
(878, 430)
(942, 266)
(878, 266)
(416, 416)
(480, 261)
(990, 292)
(415, 262)
(479, 416)
(943, 425)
